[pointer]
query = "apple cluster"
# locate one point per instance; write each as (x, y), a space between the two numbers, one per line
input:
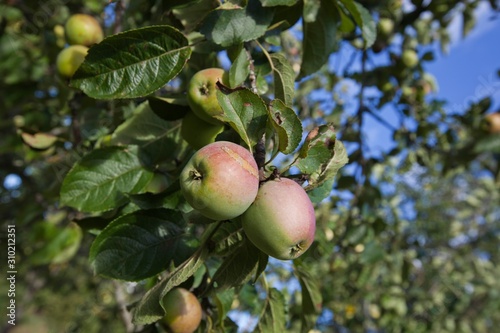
(81, 31)
(221, 181)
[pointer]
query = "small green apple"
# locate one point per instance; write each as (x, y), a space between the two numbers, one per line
(69, 59)
(281, 221)
(201, 94)
(220, 180)
(385, 26)
(83, 29)
(409, 58)
(197, 132)
(183, 311)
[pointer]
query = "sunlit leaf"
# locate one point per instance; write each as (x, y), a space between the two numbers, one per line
(271, 3)
(132, 64)
(284, 77)
(101, 180)
(274, 317)
(245, 112)
(231, 25)
(287, 125)
(239, 69)
(39, 140)
(321, 156)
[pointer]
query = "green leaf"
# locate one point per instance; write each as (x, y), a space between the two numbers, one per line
(321, 156)
(138, 245)
(311, 297)
(373, 252)
(274, 317)
(101, 179)
(363, 19)
(149, 308)
(244, 111)
(228, 237)
(368, 26)
(310, 10)
(321, 192)
(239, 69)
(140, 128)
(132, 64)
(159, 139)
(320, 39)
(287, 125)
(284, 78)
(169, 108)
(272, 3)
(230, 24)
(490, 143)
(170, 198)
(238, 267)
(224, 302)
(59, 244)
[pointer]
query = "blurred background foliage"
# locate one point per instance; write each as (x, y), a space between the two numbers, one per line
(407, 242)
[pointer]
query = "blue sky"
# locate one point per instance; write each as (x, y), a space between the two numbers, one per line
(466, 74)
(469, 72)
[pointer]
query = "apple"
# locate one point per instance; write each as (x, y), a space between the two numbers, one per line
(281, 221)
(385, 26)
(83, 29)
(197, 132)
(493, 122)
(69, 59)
(201, 94)
(220, 180)
(183, 311)
(409, 58)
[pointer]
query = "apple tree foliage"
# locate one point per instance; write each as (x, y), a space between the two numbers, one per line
(407, 239)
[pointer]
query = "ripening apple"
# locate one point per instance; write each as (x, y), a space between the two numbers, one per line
(69, 59)
(83, 29)
(493, 122)
(183, 311)
(201, 94)
(281, 221)
(409, 58)
(197, 132)
(220, 180)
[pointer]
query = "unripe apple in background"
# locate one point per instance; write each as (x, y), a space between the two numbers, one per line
(183, 311)
(197, 132)
(385, 26)
(281, 221)
(201, 94)
(409, 58)
(69, 59)
(492, 121)
(220, 180)
(83, 29)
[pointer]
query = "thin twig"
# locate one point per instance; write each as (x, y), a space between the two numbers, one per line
(124, 313)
